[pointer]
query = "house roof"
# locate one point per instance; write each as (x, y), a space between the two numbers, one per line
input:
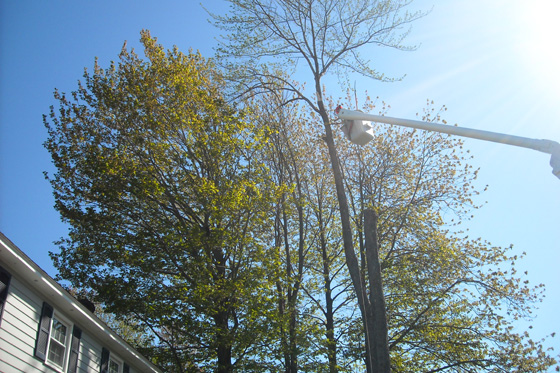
(30, 273)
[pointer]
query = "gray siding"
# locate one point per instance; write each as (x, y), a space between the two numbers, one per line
(18, 331)
(90, 355)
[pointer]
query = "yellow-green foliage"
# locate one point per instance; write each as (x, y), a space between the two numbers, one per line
(161, 184)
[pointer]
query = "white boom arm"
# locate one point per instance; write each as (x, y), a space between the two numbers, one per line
(545, 146)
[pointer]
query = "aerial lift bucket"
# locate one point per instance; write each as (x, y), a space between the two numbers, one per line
(356, 131)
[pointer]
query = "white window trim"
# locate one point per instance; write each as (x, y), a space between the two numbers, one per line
(116, 360)
(67, 347)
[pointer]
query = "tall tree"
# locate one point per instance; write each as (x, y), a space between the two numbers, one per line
(451, 300)
(161, 184)
(313, 287)
(326, 36)
(291, 228)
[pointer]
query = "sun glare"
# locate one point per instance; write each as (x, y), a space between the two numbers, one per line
(538, 33)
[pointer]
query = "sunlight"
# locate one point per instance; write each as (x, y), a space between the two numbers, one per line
(536, 38)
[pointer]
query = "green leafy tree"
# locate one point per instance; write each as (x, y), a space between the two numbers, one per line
(328, 286)
(161, 184)
(291, 236)
(325, 304)
(410, 192)
(312, 287)
(326, 36)
(451, 300)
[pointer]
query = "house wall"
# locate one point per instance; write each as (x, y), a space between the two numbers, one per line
(18, 332)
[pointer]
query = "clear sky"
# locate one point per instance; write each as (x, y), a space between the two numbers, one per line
(494, 64)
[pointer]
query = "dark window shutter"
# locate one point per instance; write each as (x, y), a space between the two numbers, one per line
(43, 332)
(104, 366)
(4, 285)
(126, 368)
(74, 350)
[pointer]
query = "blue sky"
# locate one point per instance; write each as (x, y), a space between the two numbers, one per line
(494, 64)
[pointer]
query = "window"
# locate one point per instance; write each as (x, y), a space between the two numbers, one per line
(114, 367)
(56, 346)
(111, 364)
(58, 343)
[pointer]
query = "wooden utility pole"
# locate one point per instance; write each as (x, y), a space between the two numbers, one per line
(376, 297)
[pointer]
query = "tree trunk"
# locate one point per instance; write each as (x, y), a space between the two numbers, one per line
(329, 333)
(223, 347)
(350, 255)
(222, 315)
